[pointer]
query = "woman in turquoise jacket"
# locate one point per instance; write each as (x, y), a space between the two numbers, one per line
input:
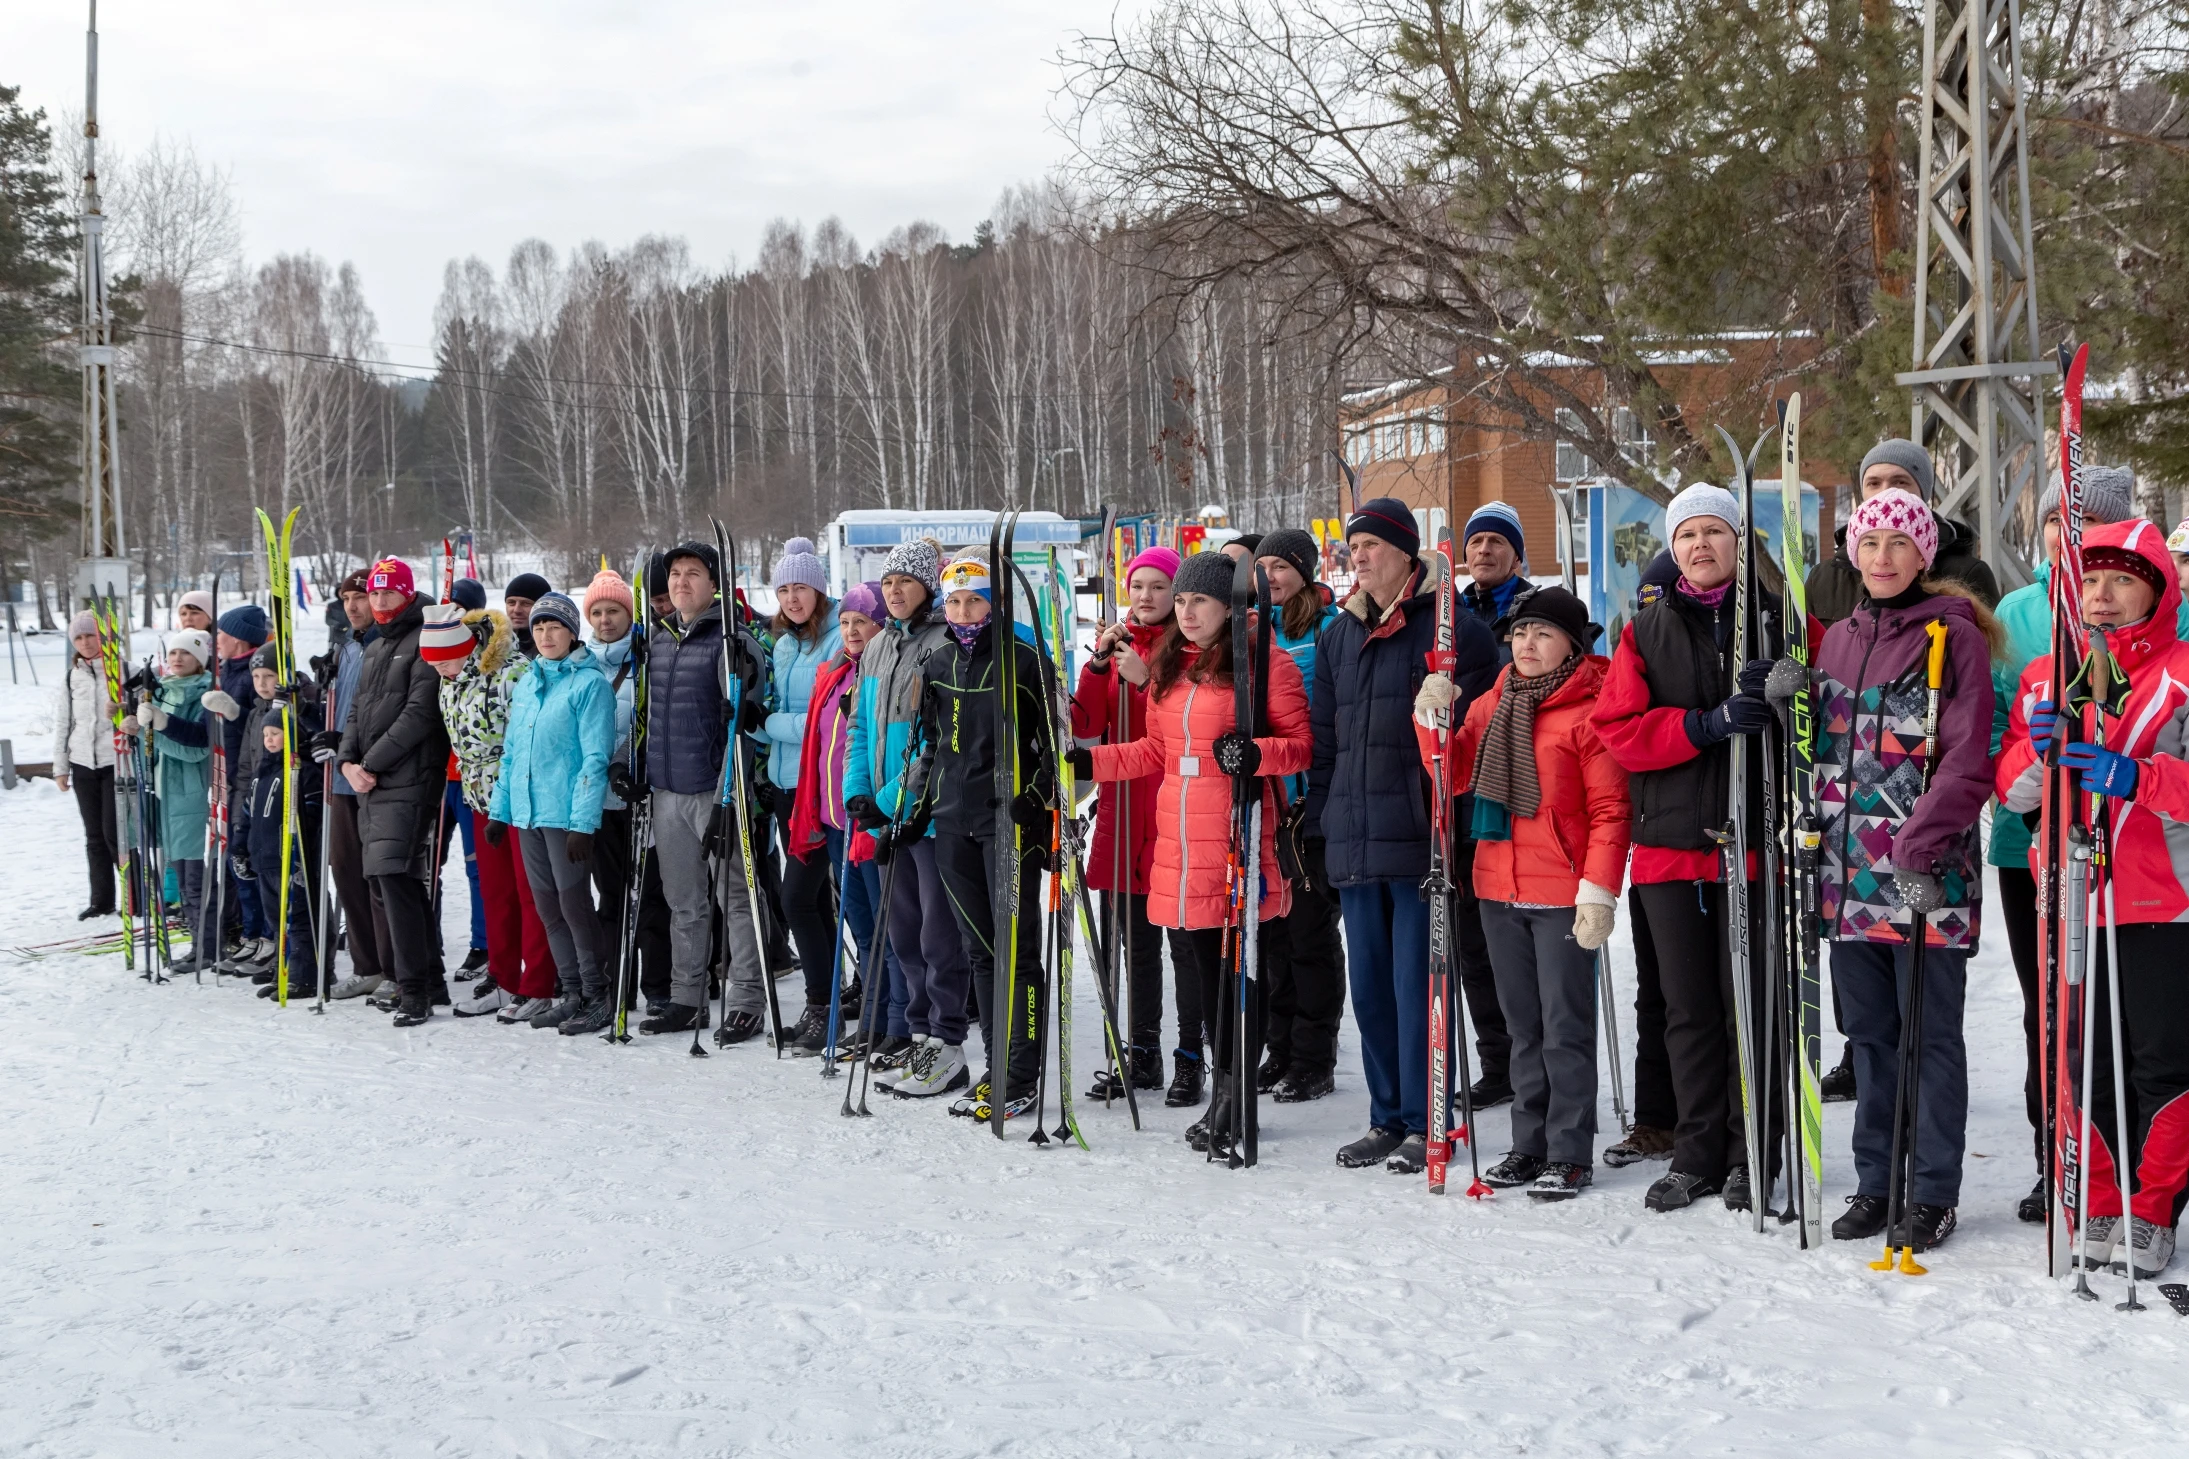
(172, 722)
(562, 729)
(806, 637)
(1306, 957)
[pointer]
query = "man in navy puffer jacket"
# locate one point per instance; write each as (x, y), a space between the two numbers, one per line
(1371, 803)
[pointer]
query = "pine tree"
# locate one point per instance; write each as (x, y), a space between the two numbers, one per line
(38, 386)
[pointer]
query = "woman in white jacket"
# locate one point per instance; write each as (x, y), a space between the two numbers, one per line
(83, 759)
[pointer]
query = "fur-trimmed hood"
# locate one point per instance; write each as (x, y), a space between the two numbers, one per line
(496, 644)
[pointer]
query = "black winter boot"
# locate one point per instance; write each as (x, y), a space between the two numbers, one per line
(1187, 1073)
(1839, 1085)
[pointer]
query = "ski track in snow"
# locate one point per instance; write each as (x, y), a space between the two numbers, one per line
(233, 1230)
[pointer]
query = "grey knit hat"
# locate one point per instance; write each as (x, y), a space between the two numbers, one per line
(1906, 455)
(800, 564)
(557, 608)
(2109, 495)
(1208, 573)
(919, 558)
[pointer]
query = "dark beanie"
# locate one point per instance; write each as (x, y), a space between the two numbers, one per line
(1294, 547)
(1561, 610)
(264, 657)
(1209, 573)
(1389, 518)
(1251, 541)
(469, 594)
(657, 574)
(529, 586)
(356, 582)
(701, 551)
(246, 623)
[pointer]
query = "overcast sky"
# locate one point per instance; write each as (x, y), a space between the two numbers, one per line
(402, 133)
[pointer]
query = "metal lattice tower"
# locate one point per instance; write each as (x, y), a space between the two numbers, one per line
(105, 548)
(1978, 367)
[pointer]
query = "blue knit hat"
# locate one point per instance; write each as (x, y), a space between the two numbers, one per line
(1498, 517)
(246, 623)
(799, 564)
(557, 608)
(469, 594)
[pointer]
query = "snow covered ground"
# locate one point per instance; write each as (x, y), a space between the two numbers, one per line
(231, 1230)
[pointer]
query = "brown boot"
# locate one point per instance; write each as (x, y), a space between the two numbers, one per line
(1643, 1142)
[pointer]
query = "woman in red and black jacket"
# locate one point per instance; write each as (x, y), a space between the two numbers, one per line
(1111, 707)
(1671, 704)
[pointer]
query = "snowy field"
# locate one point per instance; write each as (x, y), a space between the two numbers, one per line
(231, 1230)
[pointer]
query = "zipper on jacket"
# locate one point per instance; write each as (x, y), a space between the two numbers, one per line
(1185, 847)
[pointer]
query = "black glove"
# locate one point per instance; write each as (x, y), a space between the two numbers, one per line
(496, 833)
(1237, 755)
(884, 846)
(863, 810)
(1081, 759)
(577, 847)
(625, 786)
(322, 667)
(1029, 809)
(240, 865)
(754, 715)
(1743, 714)
(326, 745)
(1754, 674)
(716, 843)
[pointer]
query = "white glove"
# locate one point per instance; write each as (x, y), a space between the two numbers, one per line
(220, 702)
(1594, 911)
(151, 716)
(1433, 700)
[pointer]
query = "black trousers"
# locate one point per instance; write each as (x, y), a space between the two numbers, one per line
(1304, 958)
(364, 917)
(1221, 999)
(809, 902)
(102, 844)
(611, 875)
(968, 867)
(1143, 952)
(2018, 910)
(1687, 923)
(1477, 981)
(1654, 1103)
(415, 951)
(769, 874)
(2155, 1045)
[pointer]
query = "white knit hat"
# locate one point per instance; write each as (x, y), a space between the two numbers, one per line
(195, 642)
(1702, 500)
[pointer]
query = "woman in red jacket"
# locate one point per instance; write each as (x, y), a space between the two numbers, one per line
(2131, 594)
(1189, 712)
(1550, 832)
(1112, 707)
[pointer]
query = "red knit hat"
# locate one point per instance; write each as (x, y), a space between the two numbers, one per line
(390, 574)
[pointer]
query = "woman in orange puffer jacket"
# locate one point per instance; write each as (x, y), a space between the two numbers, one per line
(1190, 706)
(1551, 826)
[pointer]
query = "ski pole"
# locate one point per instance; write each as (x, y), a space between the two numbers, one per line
(2123, 1157)
(1908, 1097)
(1608, 1004)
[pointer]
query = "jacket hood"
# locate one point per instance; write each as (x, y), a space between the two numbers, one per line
(499, 643)
(580, 660)
(2144, 642)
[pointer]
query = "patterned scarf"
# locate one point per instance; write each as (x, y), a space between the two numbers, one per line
(1505, 766)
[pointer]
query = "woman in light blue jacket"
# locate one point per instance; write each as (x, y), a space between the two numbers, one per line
(562, 729)
(806, 637)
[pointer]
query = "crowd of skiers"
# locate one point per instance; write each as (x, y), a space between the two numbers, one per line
(866, 731)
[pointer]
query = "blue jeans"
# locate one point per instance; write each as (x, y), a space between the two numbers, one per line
(1387, 963)
(862, 894)
(1871, 979)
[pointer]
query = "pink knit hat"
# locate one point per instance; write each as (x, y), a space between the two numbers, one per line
(1162, 559)
(1894, 510)
(607, 586)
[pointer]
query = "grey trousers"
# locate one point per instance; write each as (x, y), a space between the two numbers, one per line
(680, 834)
(562, 893)
(1546, 985)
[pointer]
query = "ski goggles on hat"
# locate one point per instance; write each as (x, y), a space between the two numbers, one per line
(965, 577)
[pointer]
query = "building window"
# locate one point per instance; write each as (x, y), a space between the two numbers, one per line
(1572, 464)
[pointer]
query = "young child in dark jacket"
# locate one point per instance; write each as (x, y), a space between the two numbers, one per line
(255, 848)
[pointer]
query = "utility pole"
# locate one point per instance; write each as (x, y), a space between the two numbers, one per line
(1979, 367)
(104, 569)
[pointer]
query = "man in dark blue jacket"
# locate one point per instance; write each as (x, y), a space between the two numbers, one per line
(1374, 816)
(242, 630)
